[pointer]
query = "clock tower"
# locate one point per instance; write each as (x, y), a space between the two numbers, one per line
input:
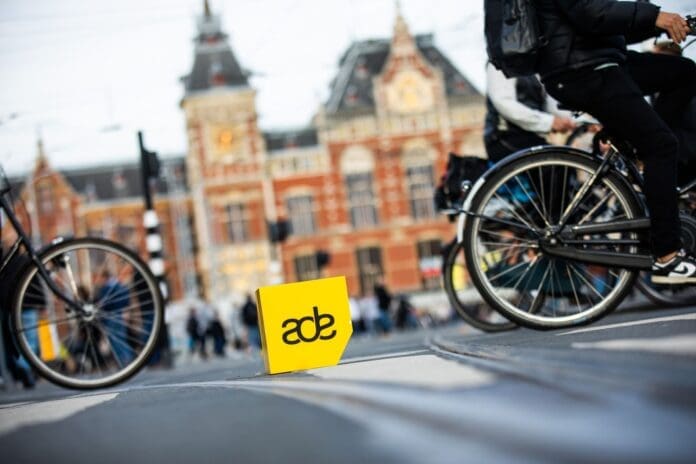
(232, 199)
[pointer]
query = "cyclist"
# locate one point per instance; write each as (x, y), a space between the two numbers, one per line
(519, 113)
(586, 66)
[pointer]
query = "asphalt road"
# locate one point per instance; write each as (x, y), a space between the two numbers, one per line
(621, 390)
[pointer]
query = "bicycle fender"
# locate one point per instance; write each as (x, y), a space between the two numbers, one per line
(527, 152)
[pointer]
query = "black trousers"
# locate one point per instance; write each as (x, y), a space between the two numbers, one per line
(615, 96)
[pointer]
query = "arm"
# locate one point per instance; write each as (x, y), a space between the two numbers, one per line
(503, 95)
(635, 20)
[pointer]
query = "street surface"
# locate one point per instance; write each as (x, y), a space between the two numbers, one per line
(621, 390)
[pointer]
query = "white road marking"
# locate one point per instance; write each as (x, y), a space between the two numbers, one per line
(424, 371)
(680, 317)
(383, 356)
(678, 344)
(48, 411)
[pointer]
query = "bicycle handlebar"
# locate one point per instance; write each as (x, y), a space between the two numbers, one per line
(691, 20)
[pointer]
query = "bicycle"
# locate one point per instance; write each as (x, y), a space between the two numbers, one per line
(84, 312)
(461, 293)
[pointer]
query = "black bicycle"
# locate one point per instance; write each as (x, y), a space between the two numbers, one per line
(555, 236)
(85, 313)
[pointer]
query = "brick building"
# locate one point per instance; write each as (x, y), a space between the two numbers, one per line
(356, 183)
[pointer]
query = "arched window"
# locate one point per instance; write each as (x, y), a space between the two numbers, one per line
(418, 158)
(357, 166)
(301, 212)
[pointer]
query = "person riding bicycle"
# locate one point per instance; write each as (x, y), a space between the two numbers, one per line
(519, 113)
(586, 65)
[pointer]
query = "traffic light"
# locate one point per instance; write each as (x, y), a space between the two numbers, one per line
(323, 258)
(151, 164)
(149, 161)
(279, 231)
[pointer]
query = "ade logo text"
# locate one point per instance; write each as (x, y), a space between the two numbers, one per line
(298, 331)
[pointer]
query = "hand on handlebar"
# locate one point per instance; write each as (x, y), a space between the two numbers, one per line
(675, 25)
(562, 124)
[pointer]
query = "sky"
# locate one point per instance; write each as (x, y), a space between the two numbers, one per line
(85, 76)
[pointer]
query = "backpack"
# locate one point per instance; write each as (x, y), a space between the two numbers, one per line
(513, 37)
(459, 169)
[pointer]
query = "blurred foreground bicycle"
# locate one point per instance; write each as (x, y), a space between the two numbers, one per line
(85, 313)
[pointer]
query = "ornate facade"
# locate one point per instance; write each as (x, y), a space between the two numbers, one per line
(356, 184)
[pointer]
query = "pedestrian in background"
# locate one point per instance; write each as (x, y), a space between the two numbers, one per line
(356, 316)
(193, 329)
(369, 311)
(405, 314)
(217, 332)
(384, 299)
(250, 319)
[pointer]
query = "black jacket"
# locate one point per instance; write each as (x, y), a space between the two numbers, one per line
(591, 32)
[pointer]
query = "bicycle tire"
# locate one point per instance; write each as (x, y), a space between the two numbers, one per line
(535, 319)
(664, 297)
(471, 312)
(105, 327)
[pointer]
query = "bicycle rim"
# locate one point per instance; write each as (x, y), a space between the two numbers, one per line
(465, 299)
(112, 339)
(511, 271)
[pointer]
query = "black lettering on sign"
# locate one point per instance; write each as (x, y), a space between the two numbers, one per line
(296, 333)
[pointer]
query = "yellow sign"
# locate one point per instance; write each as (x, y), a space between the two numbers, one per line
(304, 325)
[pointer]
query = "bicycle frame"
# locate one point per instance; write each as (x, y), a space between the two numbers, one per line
(23, 240)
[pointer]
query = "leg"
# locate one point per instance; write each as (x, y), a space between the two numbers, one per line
(671, 78)
(613, 97)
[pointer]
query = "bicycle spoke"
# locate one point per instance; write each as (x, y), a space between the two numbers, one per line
(594, 209)
(124, 324)
(507, 271)
(517, 204)
(542, 181)
(487, 231)
(533, 203)
(563, 191)
(572, 285)
(50, 322)
(535, 303)
(592, 287)
(111, 347)
(514, 213)
(530, 266)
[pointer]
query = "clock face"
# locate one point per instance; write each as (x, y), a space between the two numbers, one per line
(227, 139)
(409, 92)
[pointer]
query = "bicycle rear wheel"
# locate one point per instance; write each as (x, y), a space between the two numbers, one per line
(465, 299)
(509, 267)
(114, 334)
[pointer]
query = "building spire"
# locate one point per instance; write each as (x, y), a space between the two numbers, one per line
(206, 9)
(40, 151)
(402, 42)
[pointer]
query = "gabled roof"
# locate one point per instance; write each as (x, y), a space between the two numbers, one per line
(106, 183)
(118, 181)
(352, 88)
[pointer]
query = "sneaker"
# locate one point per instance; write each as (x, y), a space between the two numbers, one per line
(679, 270)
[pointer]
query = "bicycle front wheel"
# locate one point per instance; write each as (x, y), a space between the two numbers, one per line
(465, 299)
(112, 334)
(516, 208)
